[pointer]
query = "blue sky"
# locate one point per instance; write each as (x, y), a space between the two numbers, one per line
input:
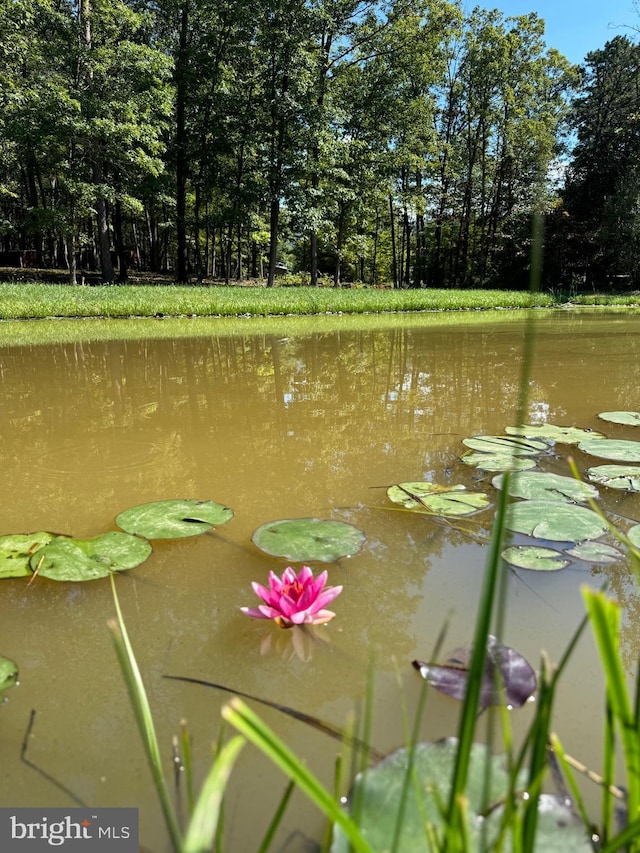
(574, 27)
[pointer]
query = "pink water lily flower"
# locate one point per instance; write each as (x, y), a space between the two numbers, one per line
(294, 599)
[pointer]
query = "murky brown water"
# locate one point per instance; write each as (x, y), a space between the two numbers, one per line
(276, 419)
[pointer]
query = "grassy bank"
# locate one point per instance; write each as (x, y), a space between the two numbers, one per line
(41, 300)
(32, 301)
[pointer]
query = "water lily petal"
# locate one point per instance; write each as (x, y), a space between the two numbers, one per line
(321, 617)
(319, 582)
(305, 574)
(261, 591)
(255, 612)
(289, 576)
(324, 598)
(275, 582)
(287, 605)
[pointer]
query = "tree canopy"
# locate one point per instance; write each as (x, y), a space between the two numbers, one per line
(386, 141)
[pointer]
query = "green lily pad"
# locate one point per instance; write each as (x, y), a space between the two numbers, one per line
(8, 673)
(624, 477)
(173, 519)
(610, 448)
(432, 499)
(308, 539)
(535, 557)
(628, 418)
(16, 550)
(380, 792)
(67, 559)
(557, 434)
(554, 520)
(634, 536)
(595, 552)
(505, 444)
(498, 461)
(536, 485)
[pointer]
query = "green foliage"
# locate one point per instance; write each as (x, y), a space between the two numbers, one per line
(8, 673)
(555, 520)
(545, 486)
(173, 519)
(16, 550)
(67, 559)
(359, 142)
(432, 499)
(309, 539)
(534, 557)
(597, 231)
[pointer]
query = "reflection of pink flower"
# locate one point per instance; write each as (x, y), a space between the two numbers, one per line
(299, 642)
(294, 599)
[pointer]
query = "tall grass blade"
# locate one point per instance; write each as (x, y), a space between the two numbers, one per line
(144, 719)
(251, 726)
(466, 728)
(539, 740)
(204, 822)
(186, 763)
(277, 817)
(605, 620)
(629, 834)
(561, 756)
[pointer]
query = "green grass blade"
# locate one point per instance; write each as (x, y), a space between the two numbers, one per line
(251, 726)
(608, 771)
(186, 763)
(605, 620)
(204, 822)
(277, 817)
(144, 718)
(570, 778)
(629, 834)
(466, 728)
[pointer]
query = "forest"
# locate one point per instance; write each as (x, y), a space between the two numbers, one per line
(398, 143)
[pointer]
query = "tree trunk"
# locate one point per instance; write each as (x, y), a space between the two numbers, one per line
(393, 243)
(121, 250)
(274, 218)
(313, 257)
(102, 224)
(182, 165)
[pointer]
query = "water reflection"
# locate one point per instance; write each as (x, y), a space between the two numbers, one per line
(277, 425)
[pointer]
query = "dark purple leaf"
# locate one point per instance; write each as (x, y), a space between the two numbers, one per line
(508, 677)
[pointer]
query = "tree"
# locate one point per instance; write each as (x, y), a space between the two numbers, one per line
(602, 188)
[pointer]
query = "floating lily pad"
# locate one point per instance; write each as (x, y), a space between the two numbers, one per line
(67, 559)
(624, 477)
(505, 444)
(308, 539)
(634, 536)
(16, 550)
(595, 552)
(628, 418)
(534, 485)
(551, 432)
(499, 461)
(173, 519)
(508, 677)
(554, 520)
(8, 673)
(535, 557)
(610, 448)
(432, 499)
(380, 795)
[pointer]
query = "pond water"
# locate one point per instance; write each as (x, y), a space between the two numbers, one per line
(278, 418)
